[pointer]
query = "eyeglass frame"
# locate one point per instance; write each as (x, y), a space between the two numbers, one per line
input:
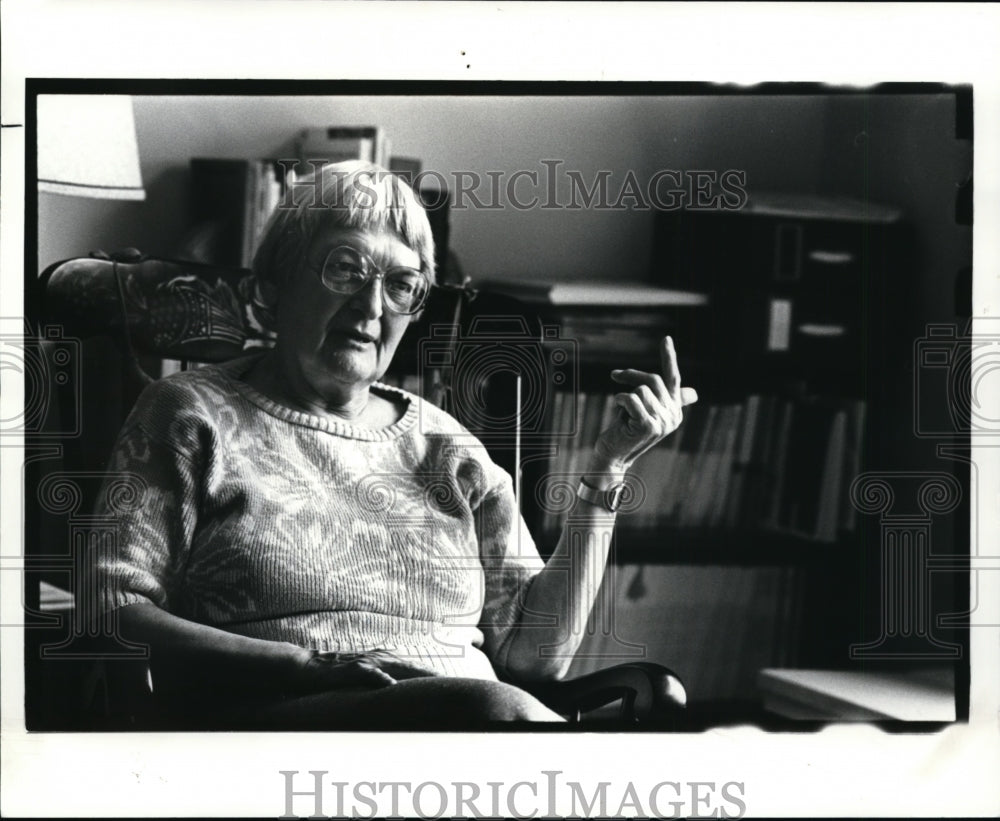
(374, 272)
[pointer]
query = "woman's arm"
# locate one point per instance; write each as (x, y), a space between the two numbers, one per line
(188, 659)
(567, 586)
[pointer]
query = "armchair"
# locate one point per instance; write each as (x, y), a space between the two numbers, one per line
(156, 309)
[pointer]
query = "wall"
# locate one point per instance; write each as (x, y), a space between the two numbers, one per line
(777, 140)
(903, 150)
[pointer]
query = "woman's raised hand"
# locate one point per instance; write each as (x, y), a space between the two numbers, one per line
(651, 410)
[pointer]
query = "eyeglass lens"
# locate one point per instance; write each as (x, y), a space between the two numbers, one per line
(347, 271)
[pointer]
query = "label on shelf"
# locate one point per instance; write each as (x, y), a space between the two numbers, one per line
(779, 325)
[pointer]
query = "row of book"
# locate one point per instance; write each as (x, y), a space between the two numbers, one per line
(766, 463)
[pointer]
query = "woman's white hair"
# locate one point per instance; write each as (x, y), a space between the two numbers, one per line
(354, 195)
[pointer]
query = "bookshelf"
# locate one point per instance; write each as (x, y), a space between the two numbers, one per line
(778, 315)
(772, 309)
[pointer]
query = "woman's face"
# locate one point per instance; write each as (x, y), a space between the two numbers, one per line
(330, 345)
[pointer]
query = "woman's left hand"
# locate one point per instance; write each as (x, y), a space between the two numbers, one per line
(647, 413)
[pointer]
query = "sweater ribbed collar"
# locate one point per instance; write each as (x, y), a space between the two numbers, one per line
(235, 370)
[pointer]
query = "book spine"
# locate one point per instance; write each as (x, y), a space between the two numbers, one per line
(777, 462)
(732, 428)
(855, 446)
(832, 481)
(664, 495)
(694, 499)
(741, 461)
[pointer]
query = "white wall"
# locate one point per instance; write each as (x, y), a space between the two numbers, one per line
(778, 141)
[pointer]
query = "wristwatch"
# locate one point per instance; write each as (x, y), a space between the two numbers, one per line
(610, 498)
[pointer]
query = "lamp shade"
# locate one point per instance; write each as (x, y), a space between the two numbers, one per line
(87, 146)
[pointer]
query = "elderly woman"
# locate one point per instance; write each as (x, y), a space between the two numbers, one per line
(316, 549)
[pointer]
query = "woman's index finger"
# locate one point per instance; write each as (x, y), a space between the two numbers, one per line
(668, 365)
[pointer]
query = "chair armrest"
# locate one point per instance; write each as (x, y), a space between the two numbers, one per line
(164, 308)
(648, 692)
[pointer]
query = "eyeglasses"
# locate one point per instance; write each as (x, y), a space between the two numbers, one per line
(347, 270)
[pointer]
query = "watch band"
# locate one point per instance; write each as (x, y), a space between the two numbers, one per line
(610, 498)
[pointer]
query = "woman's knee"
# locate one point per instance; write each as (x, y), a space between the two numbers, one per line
(433, 703)
(496, 701)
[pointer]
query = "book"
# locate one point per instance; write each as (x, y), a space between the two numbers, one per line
(833, 479)
(663, 496)
(732, 428)
(759, 474)
(807, 439)
(647, 473)
(684, 474)
(698, 488)
(338, 143)
(775, 462)
(742, 455)
(271, 187)
(857, 412)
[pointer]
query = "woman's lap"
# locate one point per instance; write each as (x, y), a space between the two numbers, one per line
(433, 702)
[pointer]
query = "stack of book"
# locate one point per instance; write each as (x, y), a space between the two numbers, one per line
(340, 143)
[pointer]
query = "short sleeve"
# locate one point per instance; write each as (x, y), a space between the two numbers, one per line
(510, 562)
(149, 501)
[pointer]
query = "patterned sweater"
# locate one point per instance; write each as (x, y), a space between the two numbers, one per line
(277, 524)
